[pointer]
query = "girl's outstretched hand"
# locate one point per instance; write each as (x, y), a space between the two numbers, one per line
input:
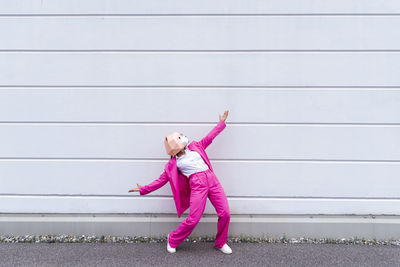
(135, 189)
(223, 117)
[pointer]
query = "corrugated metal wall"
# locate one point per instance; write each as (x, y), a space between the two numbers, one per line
(89, 89)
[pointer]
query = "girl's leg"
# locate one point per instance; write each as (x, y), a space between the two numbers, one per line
(198, 199)
(219, 200)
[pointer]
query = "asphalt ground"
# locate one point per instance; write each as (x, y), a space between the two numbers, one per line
(196, 254)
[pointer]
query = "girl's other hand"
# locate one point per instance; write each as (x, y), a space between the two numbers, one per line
(223, 117)
(135, 189)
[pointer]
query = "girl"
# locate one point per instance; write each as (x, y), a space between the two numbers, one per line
(192, 180)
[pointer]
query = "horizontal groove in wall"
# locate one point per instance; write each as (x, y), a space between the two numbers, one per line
(66, 214)
(206, 217)
(261, 87)
(198, 51)
(342, 14)
(212, 159)
(135, 195)
(208, 123)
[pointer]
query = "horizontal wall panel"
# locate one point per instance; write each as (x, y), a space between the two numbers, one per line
(256, 178)
(338, 142)
(271, 105)
(200, 69)
(188, 33)
(146, 204)
(198, 7)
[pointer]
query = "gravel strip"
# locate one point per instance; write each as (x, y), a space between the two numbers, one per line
(163, 239)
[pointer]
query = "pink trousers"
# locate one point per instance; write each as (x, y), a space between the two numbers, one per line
(204, 184)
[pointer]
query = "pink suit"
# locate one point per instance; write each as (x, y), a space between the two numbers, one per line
(193, 192)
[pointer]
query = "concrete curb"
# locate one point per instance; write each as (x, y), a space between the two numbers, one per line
(338, 227)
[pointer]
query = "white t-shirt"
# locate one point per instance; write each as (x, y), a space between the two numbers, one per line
(191, 162)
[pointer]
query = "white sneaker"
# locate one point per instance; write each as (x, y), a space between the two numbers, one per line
(226, 249)
(170, 250)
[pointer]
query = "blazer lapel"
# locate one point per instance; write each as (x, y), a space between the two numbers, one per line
(196, 147)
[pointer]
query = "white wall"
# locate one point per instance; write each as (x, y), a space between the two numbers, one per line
(89, 89)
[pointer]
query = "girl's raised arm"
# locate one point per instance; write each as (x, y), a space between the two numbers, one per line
(207, 140)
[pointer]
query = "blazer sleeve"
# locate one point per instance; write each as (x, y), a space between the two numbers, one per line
(207, 140)
(156, 184)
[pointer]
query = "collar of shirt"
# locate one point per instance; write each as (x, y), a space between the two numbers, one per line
(186, 150)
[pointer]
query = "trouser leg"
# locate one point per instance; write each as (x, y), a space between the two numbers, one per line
(219, 200)
(198, 199)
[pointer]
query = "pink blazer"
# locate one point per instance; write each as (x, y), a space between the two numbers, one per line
(179, 182)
